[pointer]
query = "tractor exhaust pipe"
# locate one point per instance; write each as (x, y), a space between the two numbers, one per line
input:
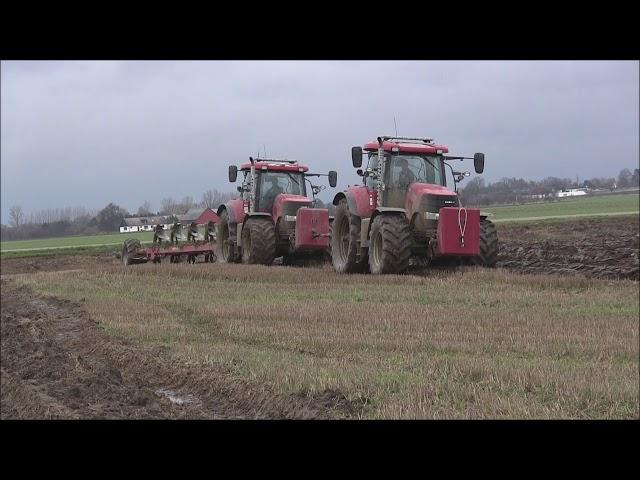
(381, 161)
(252, 195)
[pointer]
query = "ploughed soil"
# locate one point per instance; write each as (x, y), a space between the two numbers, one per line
(599, 248)
(54, 263)
(56, 362)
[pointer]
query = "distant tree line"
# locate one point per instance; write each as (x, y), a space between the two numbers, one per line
(62, 222)
(515, 190)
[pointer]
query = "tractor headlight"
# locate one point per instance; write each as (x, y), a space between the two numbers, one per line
(290, 218)
(431, 216)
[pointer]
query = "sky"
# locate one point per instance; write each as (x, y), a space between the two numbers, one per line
(86, 133)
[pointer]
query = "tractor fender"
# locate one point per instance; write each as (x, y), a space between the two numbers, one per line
(384, 211)
(235, 209)
(361, 202)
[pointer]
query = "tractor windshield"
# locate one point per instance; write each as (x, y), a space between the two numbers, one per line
(402, 170)
(405, 169)
(271, 184)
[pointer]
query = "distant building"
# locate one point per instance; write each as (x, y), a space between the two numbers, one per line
(570, 192)
(142, 224)
(201, 217)
(191, 216)
(206, 216)
(148, 224)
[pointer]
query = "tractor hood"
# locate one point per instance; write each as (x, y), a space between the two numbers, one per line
(288, 204)
(425, 197)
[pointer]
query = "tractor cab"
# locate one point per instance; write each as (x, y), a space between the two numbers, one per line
(274, 215)
(405, 213)
(270, 179)
(401, 170)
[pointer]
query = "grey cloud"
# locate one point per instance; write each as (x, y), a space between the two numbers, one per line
(86, 133)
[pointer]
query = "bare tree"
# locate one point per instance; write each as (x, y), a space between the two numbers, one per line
(208, 199)
(213, 198)
(187, 204)
(625, 178)
(144, 209)
(170, 207)
(17, 216)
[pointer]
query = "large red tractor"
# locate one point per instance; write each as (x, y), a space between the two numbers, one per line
(274, 217)
(404, 213)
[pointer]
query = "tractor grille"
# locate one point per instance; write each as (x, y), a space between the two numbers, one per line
(433, 203)
(292, 208)
(286, 228)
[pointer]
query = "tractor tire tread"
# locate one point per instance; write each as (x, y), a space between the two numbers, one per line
(396, 244)
(262, 234)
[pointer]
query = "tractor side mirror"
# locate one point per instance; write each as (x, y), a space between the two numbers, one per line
(333, 178)
(233, 173)
(356, 157)
(478, 162)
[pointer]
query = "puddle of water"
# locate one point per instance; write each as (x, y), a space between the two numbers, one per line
(174, 397)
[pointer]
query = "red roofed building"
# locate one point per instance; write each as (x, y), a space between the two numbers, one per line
(206, 216)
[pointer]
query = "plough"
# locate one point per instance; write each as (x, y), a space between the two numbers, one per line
(166, 245)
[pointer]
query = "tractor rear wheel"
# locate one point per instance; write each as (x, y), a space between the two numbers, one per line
(390, 244)
(258, 241)
(131, 245)
(227, 252)
(488, 244)
(345, 236)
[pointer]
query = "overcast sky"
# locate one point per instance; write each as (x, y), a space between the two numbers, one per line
(89, 133)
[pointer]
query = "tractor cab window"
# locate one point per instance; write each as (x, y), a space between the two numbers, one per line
(272, 184)
(406, 169)
(373, 164)
(246, 181)
(403, 170)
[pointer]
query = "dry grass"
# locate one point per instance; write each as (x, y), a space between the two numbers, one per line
(469, 344)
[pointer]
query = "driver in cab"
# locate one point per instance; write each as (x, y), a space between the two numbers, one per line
(405, 175)
(271, 191)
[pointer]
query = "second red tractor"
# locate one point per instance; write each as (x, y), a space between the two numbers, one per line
(274, 216)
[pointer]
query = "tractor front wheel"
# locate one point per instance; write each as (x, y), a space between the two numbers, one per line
(345, 237)
(227, 251)
(488, 245)
(258, 241)
(390, 244)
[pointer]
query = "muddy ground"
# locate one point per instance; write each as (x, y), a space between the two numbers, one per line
(56, 362)
(599, 248)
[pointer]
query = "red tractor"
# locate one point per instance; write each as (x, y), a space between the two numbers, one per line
(404, 213)
(274, 217)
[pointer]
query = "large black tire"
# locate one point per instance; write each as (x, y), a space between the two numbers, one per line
(258, 241)
(345, 236)
(389, 244)
(488, 245)
(226, 251)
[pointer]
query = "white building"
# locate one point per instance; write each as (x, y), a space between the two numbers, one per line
(570, 192)
(142, 224)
